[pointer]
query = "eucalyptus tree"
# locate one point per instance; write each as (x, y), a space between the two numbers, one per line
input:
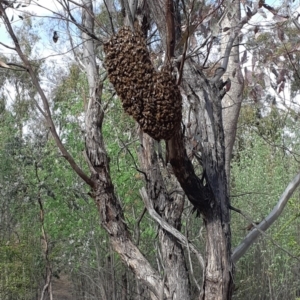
(184, 35)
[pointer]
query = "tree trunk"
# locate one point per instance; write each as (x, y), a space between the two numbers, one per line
(110, 210)
(124, 291)
(170, 209)
(209, 196)
(233, 98)
(218, 277)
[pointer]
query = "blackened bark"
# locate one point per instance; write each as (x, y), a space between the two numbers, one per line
(218, 278)
(170, 209)
(209, 195)
(185, 173)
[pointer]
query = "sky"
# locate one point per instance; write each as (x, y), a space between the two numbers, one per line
(34, 8)
(46, 47)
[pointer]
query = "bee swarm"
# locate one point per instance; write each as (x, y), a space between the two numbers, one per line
(151, 97)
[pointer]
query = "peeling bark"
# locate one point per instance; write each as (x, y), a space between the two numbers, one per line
(209, 195)
(170, 209)
(218, 277)
(110, 211)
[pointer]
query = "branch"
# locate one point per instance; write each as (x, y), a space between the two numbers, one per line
(191, 267)
(9, 47)
(40, 91)
(80, 63)
(294, 20)
(181, 238)
(184, 171)
(137, 227)
(253, 224)
(234, 33)
(253, 235)
(44, 237)
(129, 18)
(110, 18)
(170, 47)
(80, 26)
(17, 65)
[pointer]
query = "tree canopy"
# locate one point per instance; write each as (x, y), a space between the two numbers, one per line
(149, 150)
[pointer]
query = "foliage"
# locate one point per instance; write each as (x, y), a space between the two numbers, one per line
(43, 201)
(260, 173)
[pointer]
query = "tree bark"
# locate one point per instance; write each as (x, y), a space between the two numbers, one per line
(214, 205)
(233, 98)
(170, 209)
(209, 195)
(110, 210)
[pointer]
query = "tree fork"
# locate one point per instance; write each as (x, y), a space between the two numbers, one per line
(111, 213)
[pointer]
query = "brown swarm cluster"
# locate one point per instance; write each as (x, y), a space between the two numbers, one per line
(151, 97)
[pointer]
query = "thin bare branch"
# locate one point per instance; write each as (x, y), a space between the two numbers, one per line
(80, 63)
(191, 266)
(6, 46)
(17, 65)
(47, 110)
(181, 238)
(80, 26)
(268, 221)
(110, 17)
(234, 34)
(256, 225)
